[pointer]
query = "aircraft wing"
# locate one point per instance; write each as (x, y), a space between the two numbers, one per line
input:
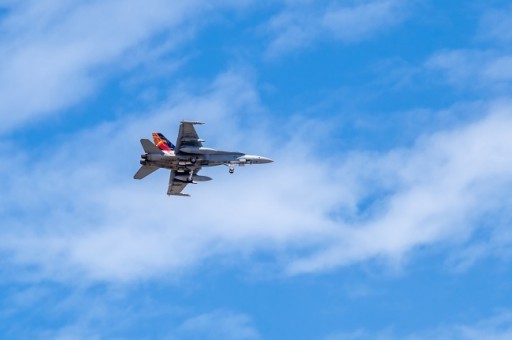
(176, 185)
(188, 136)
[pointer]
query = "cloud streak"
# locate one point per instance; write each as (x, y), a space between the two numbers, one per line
(498, 326)
(56, 53)
(312, 213)
(486, 68)
(219, 324)
(301, 25)
(485, 71)
(437, 191)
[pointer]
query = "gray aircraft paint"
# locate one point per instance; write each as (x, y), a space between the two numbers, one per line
(188, 158)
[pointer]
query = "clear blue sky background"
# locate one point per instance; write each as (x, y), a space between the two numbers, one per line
(386, 213)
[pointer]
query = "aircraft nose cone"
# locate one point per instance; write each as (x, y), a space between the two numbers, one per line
(253, 159)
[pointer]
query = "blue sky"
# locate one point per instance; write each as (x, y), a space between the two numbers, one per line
(385, 215)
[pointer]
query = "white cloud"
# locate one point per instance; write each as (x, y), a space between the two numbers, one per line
(496, 26)
(72, 312)
(300, 25)
(219, 325)
(55, 53)
(497, 327)
(434, 192)
(313, 212)
(486, 71)
(367, 18)
(155, 235)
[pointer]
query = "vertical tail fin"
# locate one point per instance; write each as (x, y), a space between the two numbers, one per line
(163, 143)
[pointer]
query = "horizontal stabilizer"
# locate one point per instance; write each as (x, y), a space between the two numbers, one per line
(144, 171)
(149, 147)
(193, 122)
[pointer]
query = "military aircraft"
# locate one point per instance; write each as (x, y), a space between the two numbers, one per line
(187, 157)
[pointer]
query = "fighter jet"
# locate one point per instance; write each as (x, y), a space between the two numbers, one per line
(187, 157)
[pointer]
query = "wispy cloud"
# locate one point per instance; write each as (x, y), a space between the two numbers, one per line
(496, 327)
(219, 325)
(72, 312)
(485, 68)
(55, 53)
(495, 25)
(321, 212)
(99, 194)
(437, 191)
(300, 25)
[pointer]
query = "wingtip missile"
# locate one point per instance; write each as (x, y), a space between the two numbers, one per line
(194, 122)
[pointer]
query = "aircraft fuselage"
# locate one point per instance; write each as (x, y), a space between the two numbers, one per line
(185, 162)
